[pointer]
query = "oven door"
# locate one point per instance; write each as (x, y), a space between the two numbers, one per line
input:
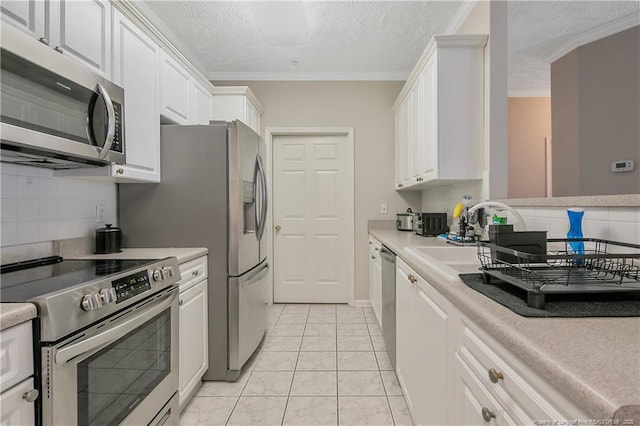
(121, 371)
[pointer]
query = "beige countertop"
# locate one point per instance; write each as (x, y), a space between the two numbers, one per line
(182, 254)
(593, 361)
(16, 313)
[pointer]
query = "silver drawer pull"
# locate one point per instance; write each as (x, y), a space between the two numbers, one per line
(487, 414)
(195, 273)
(31, 395)
(495, 376)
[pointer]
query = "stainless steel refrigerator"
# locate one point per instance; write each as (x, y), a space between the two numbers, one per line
(213, 194)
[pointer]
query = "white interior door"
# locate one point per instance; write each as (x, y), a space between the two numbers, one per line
(313, 218)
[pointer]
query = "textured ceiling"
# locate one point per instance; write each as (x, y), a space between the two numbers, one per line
(347, 39)
(369, 39)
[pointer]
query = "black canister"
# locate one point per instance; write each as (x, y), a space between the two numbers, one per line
(108, 239)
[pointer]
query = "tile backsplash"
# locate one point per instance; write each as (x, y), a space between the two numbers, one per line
(36, 206)
(612, 223)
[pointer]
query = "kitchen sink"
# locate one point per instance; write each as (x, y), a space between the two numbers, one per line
(449, 260)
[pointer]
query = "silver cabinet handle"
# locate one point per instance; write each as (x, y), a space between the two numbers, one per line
(58, 49)
(181, 302)
(195, 273)
(487, 414)
(31, 395)
(495, 376)
(373, 257)
(120, 171)
(43, 41)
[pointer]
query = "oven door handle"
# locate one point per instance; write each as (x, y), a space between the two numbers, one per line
(114, 333)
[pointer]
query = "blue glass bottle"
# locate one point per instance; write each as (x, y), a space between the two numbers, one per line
(575, 231)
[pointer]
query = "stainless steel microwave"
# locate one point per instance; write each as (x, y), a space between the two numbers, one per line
(56, 112)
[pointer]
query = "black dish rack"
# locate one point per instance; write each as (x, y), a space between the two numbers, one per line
(602, 267)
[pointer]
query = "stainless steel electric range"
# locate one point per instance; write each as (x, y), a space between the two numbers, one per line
(107, 344)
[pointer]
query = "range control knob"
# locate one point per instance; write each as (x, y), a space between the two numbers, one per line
(108, 295)
(91, 301)
(157, 275)
(167, 272)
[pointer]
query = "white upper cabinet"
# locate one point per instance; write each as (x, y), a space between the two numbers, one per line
(28, 15)
(237, 103)
(136, 60)
(175, 90)
(82, 30)
(202, 103)
(79, 29)
(440, 113)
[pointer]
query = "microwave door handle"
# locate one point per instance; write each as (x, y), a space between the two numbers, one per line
(265, 197)
(113, 334)
(111, 121)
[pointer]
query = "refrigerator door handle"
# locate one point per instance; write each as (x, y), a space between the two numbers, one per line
(265, 197)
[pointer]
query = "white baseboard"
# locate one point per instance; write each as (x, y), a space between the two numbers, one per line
(362, 303)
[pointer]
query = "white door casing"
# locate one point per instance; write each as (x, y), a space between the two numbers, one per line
(313, 205)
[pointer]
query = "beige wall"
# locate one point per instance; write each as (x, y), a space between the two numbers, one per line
(529, 125)
(365, 106)
(595, 108)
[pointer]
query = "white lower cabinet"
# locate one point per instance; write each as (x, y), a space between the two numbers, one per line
(453, 373)
(422, 358)
(17, 397)
(193, 314)
(375, 278)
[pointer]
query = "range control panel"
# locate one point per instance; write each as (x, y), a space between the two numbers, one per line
(131, 286)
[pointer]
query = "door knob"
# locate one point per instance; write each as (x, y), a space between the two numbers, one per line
(278, 228)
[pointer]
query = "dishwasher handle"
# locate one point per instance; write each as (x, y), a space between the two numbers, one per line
(387, 254)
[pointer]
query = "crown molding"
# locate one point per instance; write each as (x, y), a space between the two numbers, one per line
(238, 90)
(307, 76)
(600, 31)
(460, 16)
(153, 26)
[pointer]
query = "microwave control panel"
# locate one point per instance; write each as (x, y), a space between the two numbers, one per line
(117, 144)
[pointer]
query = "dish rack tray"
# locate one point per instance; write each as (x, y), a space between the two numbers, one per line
(604, 266)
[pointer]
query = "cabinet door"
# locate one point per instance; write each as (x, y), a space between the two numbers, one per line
(472, 398)
(417, 124)
(429, 121)
(136, 59)
(431, 372)
(193, 336)
(403, 154)
(16, 410)
(175, 88)
(201, 104)
(405, 293)
(82, 30)
(28, 15)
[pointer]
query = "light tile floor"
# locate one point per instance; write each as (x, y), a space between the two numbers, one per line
(318, 365)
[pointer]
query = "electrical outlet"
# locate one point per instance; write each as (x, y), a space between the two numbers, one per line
(100, 213)
(384, 208)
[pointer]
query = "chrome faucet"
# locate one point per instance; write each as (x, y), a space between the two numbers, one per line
(496, 205)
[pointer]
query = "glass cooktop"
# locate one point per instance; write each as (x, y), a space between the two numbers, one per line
(26, 280)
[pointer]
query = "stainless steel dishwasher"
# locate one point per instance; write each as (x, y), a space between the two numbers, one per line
(389, 301)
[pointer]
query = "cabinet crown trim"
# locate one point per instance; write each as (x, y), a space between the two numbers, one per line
(473, 40)
(239, 90)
